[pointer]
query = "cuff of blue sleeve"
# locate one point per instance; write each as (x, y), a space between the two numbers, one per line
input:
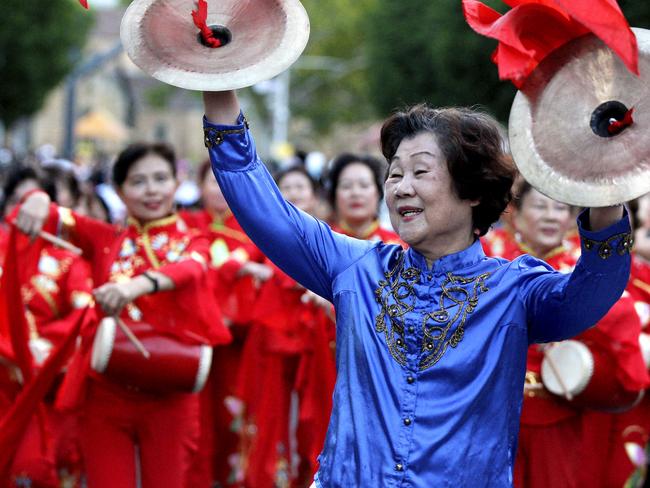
(601, 247)
(230, 146)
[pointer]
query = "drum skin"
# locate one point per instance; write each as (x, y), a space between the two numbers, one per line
(589, 375)
(173, 366)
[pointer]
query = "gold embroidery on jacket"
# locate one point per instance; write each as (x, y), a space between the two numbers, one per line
(459, 294)
(441, 328)
(398, 285)
(605, 248)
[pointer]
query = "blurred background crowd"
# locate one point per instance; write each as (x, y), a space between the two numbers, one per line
(70, 101)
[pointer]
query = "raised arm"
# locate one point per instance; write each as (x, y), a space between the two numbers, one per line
(561, 306)
(302, 246)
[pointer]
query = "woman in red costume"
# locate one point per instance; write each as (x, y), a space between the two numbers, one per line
(237, 268)
(53, 298)
(155, 271)
(287, 351)
(356, 187)
(561, 445)
(634, 425)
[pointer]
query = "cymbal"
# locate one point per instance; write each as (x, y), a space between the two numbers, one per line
(557, 122)
(264, 37)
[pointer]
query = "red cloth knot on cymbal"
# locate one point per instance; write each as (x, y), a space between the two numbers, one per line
(200, 16)
(617, 126)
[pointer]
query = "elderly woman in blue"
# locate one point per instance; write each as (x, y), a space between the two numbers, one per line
(431, 341)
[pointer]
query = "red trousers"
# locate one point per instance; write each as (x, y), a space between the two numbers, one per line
(549, 455)
(33, 464)
(632, 426)
(123, 428)
(225, 447)
(269, 462)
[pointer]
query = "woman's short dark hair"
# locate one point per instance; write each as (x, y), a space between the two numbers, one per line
(297, 168)
(339, 163)
(66, 178)
(521, 188)
(19, 173)
(473, 148)
(134, 152)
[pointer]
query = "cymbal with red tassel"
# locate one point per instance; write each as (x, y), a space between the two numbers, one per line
(214, 46)
(580, 125)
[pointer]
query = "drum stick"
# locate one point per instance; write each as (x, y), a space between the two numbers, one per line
(196, 337)
(57, 241)
(131, 336)
(551, 363)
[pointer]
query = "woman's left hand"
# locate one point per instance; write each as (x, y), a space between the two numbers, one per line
(113, 297)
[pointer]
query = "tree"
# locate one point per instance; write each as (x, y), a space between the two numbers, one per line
(424, 51)
(637, 13)
(329, 82)
(39, 43)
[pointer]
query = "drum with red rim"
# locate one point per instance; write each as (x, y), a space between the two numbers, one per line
(586, 376)
(172, 366)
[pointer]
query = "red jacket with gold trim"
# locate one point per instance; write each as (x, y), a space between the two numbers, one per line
(230, 248)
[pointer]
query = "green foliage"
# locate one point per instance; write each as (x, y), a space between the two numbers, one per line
(39, 44)
(636, 12)
(158, 96)
(420, 50)
(329, 82)
(382, 54)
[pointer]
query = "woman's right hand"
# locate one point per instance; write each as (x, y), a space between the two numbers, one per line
(33, 213)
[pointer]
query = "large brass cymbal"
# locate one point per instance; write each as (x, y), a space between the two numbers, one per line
(267, 36)
(551, 135)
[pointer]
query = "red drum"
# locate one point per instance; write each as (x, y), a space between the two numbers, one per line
(586, 376)
(172, 366)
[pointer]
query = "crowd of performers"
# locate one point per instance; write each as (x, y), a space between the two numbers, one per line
(261, 418)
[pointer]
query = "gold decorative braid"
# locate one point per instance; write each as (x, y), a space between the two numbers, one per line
(47, 296)
(66, 217)
(459, 293)
(441, 328)
(146, 245)
(234, 233)
(397, 298)
(143, 231)
(605, 248)
(213, 137)
(31, 325)
(641, 284)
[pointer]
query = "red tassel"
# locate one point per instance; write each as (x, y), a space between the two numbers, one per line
(200, 16)
(84, 3)
(617, 126)
(534, 28)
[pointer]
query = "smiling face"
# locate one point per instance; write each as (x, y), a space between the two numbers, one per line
(423, 206)
(148, 191)
(542, 222)
(297, 188)
(357, 197)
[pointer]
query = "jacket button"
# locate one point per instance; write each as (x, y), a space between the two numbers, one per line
(410, 380)
(399, 467)
(407, 421)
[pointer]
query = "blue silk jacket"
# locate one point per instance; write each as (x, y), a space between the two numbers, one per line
(431, 361)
